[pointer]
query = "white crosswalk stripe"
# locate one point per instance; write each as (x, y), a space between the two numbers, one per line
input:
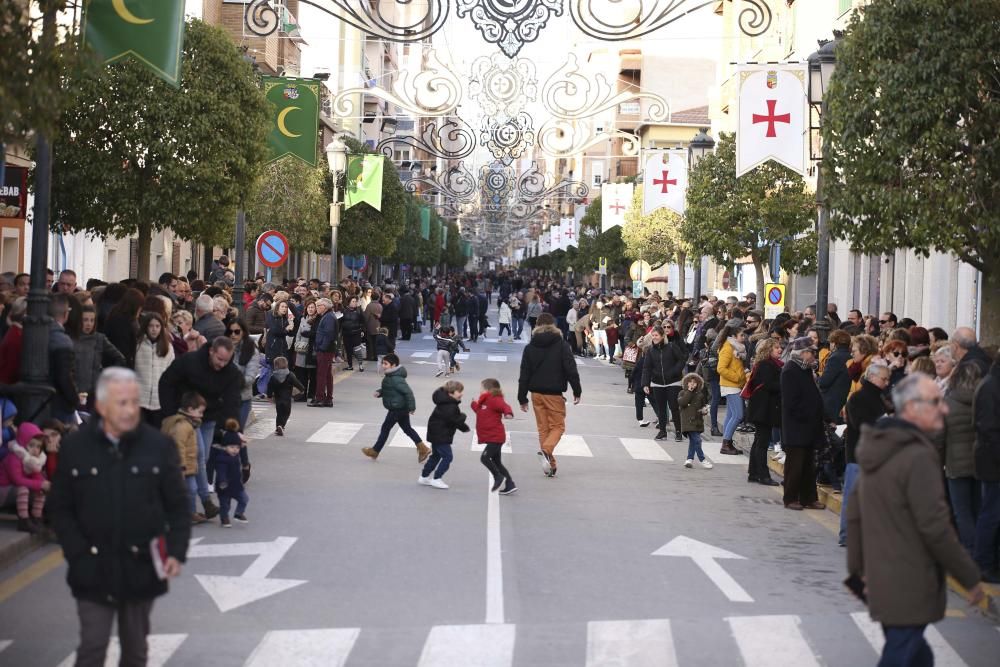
(305, 648)
(161, 648)
(337, 433)
(421, 355)
(400, 439)
(469, 646)
(573, 445)
(4, 643)
(477, 446)
(944, 654)
(645, 643)
(772, 641)
(645, 450)
(497, 357)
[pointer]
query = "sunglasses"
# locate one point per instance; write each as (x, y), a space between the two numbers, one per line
(883, 321)
(236, 332)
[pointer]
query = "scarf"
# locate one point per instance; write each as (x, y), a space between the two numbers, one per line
(739, 349)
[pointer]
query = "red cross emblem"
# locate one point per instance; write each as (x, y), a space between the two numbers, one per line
(617, 208)
(771, 118)
(569, 232)
(664, 182)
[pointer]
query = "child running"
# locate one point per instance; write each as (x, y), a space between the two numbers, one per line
(491, 410)
(397, 399)
(692, 404)
(279, 387)
(446, 418)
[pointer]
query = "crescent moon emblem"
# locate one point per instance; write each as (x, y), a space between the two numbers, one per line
(281, 122)
(123, 11)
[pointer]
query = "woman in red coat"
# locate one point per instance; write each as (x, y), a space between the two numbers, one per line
(439, 305)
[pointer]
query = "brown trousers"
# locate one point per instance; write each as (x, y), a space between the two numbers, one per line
(550, 417)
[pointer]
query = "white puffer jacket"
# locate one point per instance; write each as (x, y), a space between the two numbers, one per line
(149, 366)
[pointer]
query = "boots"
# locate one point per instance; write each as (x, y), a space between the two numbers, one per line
(423, 451)
(25, 525)
(727, 448)
(211, 509)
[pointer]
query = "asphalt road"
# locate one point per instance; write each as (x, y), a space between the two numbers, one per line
(625, 559)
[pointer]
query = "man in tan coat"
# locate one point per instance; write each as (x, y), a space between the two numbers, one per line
(900, 540)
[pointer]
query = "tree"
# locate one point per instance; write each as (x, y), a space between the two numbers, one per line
(137, 156)
(367, 231)
(911, 153)
(594, 244)
(412, 247)
(655, 238)
(289, 197)
(452, 254)
(728, 218)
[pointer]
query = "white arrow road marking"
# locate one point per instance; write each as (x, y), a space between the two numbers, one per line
(469, 646)
(304, 648)
(160, 649)
(704, 556)
(645, 643)
(944, 654)
(772, 641)
(229, 592)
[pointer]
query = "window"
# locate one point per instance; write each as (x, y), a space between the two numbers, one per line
(402, 155)
(597, 179)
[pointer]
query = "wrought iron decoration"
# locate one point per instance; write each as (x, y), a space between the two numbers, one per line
(456, 185)
(563, 138)
(508, 139)
(509, 24)
(433, 91)
(535, 185)
(617, 21)
(570, 95)
(502, 87)
(453, 139)
(262, 18)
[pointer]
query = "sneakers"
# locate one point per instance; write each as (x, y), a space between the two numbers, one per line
(369, 452)
(546, 466)
(508, 489)
(242, 518)
(438, 483)
(361, 368)
(780, 458)
(279, 431)
(423, 451)
(424, 481)
(439, 374)
(662, 435)
(716, 432)
(689, 463)
(707, 465)
(226, 523)
(678, 437)
(643, 423)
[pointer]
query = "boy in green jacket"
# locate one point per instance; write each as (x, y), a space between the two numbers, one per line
(397, 399)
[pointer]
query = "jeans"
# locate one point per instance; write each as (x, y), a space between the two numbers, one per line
(713, 407)
(987, 526)
(518, 326)
(95, 632)
(191, 483)
(734, 415)
(460, 325)
(205, 434)
(474, 327)
(851, 473)
(245, 412)
(503, 325)
(241, 498)
(491, 459)
(966, 497)
(440, 459)
(905, 646)
(694, 446)
(393, 417)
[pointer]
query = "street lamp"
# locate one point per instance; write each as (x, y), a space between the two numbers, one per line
(822, 64)
(336, 158)
(701, 145)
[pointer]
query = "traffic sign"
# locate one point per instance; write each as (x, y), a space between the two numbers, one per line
(356, 262)
(726, 280)
(272, 249)
(636, 289)
(640, 270)
(774, 300)
(602, 265)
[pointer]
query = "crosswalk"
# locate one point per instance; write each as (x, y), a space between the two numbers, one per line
(779, 640)
(526, 442)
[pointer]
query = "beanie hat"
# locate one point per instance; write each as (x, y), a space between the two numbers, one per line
(7, 409)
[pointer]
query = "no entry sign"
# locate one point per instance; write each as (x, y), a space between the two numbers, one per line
(774, 300)
(272, 249)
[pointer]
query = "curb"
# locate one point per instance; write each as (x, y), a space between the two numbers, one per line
(18, 547)
(833, 499)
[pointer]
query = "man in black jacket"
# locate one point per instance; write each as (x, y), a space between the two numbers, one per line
(117, 493)
(62, 362)
(801, 425)
(865, 407)
(407, 313)
(547, 367)
(986, 419)
(661, 376)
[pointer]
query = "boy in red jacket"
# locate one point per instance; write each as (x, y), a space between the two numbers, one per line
(491, 409)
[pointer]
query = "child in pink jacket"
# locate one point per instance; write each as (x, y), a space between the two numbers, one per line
(22, 481)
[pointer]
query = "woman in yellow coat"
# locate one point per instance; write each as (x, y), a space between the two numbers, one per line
(732, 377)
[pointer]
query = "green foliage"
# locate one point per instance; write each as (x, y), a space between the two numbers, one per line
(289, 197)
(728, 218)
(911, 148)
(656, 237)
(137, 156)
(366, 231)
(452, 254)
(412, 248)
(594, 244)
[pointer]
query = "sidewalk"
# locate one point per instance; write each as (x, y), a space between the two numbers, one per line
(15, 545)
(833, 500)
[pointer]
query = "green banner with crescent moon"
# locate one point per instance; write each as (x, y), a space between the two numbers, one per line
(295, 109)
(151, 31)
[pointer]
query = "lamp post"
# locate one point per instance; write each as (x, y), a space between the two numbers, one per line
(336, 158)
(701, 145)
(822, 64)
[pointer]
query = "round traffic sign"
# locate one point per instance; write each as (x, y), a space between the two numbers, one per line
(640, 270)
(272, 249)
(774, 296)
(725, 280)
(356, 263)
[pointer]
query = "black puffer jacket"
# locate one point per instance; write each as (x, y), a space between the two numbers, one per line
(445, 420)
(108, 503)
(352, 322)
(764, 406)
(664, 363)
(193, 372)
(801, 408)
(547, 365)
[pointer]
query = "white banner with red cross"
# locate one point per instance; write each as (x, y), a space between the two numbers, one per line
(665, 181)
(568, 229)
(615, 200)
(773, 107)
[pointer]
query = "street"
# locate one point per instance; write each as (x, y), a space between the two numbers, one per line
(626, 558)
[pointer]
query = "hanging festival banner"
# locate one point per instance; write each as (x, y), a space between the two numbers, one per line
(569, 232)
(555, 237)
(294, 117)
(364, 181)
(665, 182)
(151, 31)
(772, 116)
(615, 200)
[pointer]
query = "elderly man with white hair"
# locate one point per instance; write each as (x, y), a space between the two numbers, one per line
(326, 347)
(205, 321)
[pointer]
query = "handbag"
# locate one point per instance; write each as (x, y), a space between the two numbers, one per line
(748, 389)
(301, 346)
(631, 354)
